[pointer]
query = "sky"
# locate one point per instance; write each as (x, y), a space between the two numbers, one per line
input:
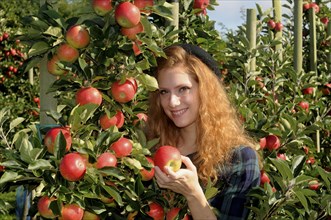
(228, 12)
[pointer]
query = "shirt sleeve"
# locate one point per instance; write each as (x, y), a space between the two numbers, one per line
(230, 202)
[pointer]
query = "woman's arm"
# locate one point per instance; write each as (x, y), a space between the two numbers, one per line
(186, 182)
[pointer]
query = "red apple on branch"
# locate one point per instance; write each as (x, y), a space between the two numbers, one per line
(106, 159)
(123, 92)
(122, 147)
(87, 95)
(117, 120)
(127, 14)
(308, 91)
(43, 207)
(72, 212)
(304, 105)
(156, 211)
(67, 53)
(172, 214)
(72, 167)
(271, 24)
(264, 178)
(50, 137)
(314, 185)
(102, 7)
(278, 26)
(147, 174)
(132, 32)
(143, 4)
(272, 142)
(167, 156)
(78, 36)
(54, 66)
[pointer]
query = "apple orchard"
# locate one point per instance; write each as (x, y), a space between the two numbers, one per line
(88, 157)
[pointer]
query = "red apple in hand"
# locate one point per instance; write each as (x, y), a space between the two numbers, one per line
(102, 7)
(122, 147)
(72, 167)
(50, 137)
(78, 37)
(71, 212)
(156, 211)
(43, 207)
(127, 14)
(123, 92)
(117, 120)
(168, 156)
(146, 174)
(88, 95)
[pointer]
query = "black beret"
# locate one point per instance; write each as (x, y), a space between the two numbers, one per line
(203, 55)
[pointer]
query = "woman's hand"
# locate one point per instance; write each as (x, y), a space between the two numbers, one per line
(184, 181)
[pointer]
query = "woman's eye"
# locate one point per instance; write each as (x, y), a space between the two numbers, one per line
(184, 89)
(162, 92)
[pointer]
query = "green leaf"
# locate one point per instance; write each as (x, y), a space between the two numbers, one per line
(113, 193)
(302, 199)
(80, 114)
(54, 31)
(298, 163)
(38, 48)
(132, 163)
(148, 82)
(325, 176)
(9, 176)
(282, 168)
(41, 164)
(15, 122)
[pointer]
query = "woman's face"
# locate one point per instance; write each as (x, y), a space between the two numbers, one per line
(179, 96)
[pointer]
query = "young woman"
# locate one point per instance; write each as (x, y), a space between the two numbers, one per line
(192, 112)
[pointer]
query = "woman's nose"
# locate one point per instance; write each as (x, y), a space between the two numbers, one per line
(174, 100)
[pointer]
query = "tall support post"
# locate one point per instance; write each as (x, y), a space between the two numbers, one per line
(298, 23)
(313, 40)
(277, 5)
(251, 36)
(31, 81)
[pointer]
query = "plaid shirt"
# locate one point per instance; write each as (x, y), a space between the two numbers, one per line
(243, 175)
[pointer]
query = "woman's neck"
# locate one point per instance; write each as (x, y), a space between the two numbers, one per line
(187, 142)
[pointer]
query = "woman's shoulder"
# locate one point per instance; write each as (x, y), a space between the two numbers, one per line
(244, 153)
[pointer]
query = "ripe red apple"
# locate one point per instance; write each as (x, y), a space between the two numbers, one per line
(147, 174)
(117, 120)
(326, 90)
(306, 149)
(325, 20)
(2, 168)
(67, 53)
(310, 160)
(72, 167)
(314, 185)
(304, 105)
(127, 14)
(278, 26)
(271, 24)
(134, 83)
(272, 142)
(281, 156)
(143, 4)
(71, 212)
(156, 211)
(132, 32)
(200, 4)
(90, 216)
(43, 207)
(264, 178)
(122, 147)
(78, 36)
(87, 95)
(50, 137)
(306, 6)
(106, 159)
(173, 213)
(315, 7)
(123, 92)
(53, 66)
(308, 91)
(168, 156)
(102, 7)
(263, 143)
